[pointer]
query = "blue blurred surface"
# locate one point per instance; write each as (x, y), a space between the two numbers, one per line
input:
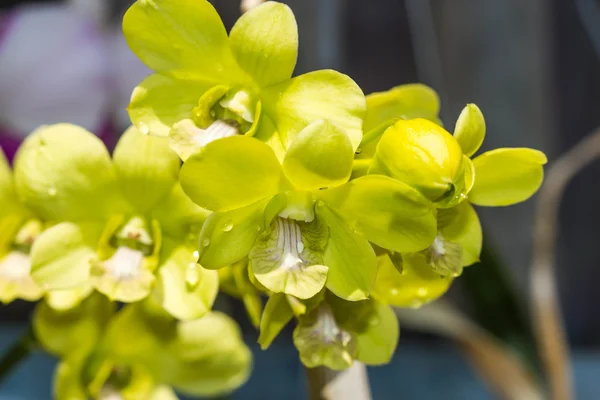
(418, 371)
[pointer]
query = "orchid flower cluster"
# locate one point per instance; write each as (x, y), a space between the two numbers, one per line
(237, 176)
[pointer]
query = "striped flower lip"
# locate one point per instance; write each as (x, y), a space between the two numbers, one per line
(290, 259)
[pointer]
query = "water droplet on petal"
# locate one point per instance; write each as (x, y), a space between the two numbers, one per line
(374, 321)
(143, 128)
(206, 242)
(52, 192)
(196, 254)
(258, 228)
(394, 292)
(192, 276)
(300, 247)
(228, 227)
(422, 292)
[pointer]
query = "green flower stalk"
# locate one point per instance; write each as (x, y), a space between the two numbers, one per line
(140, 352)
(333, 332)
(210, 85)
(19, 228)
(122, 226)
(298, 236)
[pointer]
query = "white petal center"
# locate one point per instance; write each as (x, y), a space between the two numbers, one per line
(126, 263)
(15, 265)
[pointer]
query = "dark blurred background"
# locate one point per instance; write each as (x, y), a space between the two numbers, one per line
(531, 66)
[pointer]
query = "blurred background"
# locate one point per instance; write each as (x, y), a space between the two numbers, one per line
(531, 66)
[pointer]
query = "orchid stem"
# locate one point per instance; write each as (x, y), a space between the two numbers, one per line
(17, 353)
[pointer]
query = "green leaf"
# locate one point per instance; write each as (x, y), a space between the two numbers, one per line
(349, 256)
(402, 102)
(470, 129)
(64, 332)
(184, 39)
(66, 299)
(179, 216)
(64, 172)
(212, 357)
(61, 255)
(326, 94)
(464, 229)
(227, 237)
(146, 168)
(159, 101)
(418, 284)
(232, 172)
(276, 315)
(422, 155)
(320, 156)
(290, 259)
(390, 213)
(184, 296)
(507, 176)
(265, 42)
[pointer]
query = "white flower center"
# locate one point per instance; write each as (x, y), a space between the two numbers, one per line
(15, 265)
(125, 263)
(217, 130)
(438, 246)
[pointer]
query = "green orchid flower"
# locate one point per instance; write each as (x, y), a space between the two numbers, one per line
(19, 228)
(496, 178)
(333, 332)
(140, 352)
(209, 85)
(298, 236)
(124, 226)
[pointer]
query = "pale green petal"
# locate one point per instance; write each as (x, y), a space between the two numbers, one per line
(179, 216)
(415, 286)
(235, 281)
(290, 259)
(265, 42)
(228, 237)
(186, 290)
(322, 342)
(213, 358)
(470, 129)
(320, 156)
(146, 168)
(390, 213)
(232, 172)
(377, 343)
(507, 176)
(62, 300)
(325, 94)
(64, 172)
(67, 378)
(276, 315)
(349, 256)
(136, 335)
(185, 39)
(67, 331)
(374, 327)
(464, 229)
(402, 102)
(158, 102)
(61, 256)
